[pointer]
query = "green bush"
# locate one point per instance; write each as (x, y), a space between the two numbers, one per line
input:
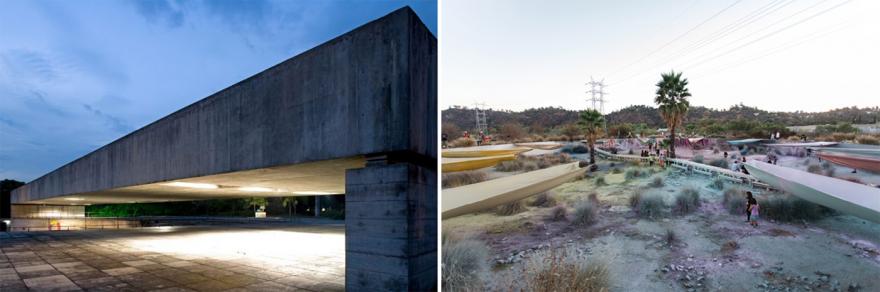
(575, 148)
(465, 265)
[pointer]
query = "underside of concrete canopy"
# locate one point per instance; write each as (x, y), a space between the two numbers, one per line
(356, 115)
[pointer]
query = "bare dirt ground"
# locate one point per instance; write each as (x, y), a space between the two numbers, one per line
(715, 251)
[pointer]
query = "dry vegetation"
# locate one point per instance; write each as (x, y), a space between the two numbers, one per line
(561, 270)
(531, 163)
(512, 208)
(544, 200)
(465, 264)
(461, 178)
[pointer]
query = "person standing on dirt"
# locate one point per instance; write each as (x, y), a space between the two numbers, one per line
(750, 202)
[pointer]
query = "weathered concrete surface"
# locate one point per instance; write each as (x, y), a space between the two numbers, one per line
(372, 90)
(391, 228)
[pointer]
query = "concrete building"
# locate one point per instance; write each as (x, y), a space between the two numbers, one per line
(355, 116)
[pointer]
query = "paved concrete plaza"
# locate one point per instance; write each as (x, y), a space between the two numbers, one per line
(240, 258)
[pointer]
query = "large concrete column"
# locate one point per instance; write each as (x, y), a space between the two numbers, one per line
(391, 228)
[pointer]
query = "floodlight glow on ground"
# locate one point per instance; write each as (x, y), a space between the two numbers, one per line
(191, 185)
(74, 199)
(255, 189)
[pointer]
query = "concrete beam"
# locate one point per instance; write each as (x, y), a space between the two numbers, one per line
(371, 90)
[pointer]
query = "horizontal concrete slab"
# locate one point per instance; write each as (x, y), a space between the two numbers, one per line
(370, 91)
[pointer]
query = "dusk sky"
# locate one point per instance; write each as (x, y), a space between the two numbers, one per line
(782, 55)
(75, 76)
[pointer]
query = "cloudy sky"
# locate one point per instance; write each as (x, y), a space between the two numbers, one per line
(76, 76)
(780, 55)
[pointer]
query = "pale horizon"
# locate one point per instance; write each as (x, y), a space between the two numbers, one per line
(780, 56)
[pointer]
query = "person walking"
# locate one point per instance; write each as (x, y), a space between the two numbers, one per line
(750, 201)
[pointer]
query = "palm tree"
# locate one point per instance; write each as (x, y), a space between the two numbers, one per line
(289, 202)
(672, 94)
(254, 202)
(591, 121)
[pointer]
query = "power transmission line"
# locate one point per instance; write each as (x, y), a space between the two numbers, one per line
(769, 34)
(678, 37)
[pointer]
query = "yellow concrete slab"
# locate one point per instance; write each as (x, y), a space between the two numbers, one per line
(462, 164)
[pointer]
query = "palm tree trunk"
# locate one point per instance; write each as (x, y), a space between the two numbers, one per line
(592, 151)
(672, 138)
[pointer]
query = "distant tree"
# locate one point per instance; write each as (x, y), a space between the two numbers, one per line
(512, 131)
(591, 121)
(290, 203)
(254, 202)
(570, 131)
(672, 99)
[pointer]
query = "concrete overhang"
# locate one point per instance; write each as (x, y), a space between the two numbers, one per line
(294, 128)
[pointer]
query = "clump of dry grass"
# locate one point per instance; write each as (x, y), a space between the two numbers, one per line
(650, 206)
(869, 140)
(814, 168)
(462, 142)
(512, 208)
(600, 181)
(734, 201)
(585, 213)
(671, 238)
(656, 182)
(545, 199)
(461, 178)
(530, 163)
(729, 246)
(687, 201)
(559, 213)
(562, 270)
(465, 264)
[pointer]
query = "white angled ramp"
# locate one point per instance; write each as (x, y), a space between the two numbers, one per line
(488, 194)
(847, 197)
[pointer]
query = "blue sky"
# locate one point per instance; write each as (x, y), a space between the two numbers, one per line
(76, 75)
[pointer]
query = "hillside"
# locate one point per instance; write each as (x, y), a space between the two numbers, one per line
(540, 120)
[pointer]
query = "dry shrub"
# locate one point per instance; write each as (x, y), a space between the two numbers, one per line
(600, 181)
(814, 168)
(671, 238)
(717, 184)
(593, 198)
(530, 163)
(687, 201)
(511, 208)
(843, 136)
(461, 178)
(788, 208)
(729, 246)
(651, 206)
(462, 142)
(585, 213)
(634, 172)
(559, 213)
(869, 140)
(734, 201)
(574, 148)
(616, 170)
(465, 265)
(545, 199)
(635, 198)
(563, 270)
(776, 232)
(656, 182)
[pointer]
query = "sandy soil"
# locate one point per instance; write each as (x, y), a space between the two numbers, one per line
(832, 253)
